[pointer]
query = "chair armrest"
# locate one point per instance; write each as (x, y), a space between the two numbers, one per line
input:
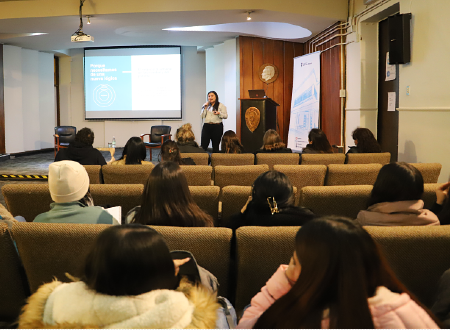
(142, 136)
(163, 136)
(56, 136)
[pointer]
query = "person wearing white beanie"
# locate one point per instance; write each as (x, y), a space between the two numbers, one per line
(68, 183)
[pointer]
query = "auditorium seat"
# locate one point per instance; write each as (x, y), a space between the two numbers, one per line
(344, 201)
(322, 159)
(207, 198)
(199, 175)
(430, 171)
(237, 175)
(13, 283)
(130, 174)
(303, 175)
(418, 255)
(198, 157)
(277, 159)
(94, 173)
(232, 159)
(378, 158)
(352, 174)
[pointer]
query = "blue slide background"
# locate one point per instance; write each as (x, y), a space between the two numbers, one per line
(121, 86)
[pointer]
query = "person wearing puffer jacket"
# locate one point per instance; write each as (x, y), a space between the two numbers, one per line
(337, 278)
(129, 282)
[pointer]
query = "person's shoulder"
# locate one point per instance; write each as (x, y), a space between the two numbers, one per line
(97, 215)
(352, 150)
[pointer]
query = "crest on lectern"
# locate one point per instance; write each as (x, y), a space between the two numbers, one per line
(252, 118)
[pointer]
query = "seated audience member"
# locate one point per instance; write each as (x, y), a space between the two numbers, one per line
(272, 143)
(396, 199)
(68, 183)
(442, 206)
(129, 281)
(167, 201)
(134, 153)
(318, 143)
(441, 307)
(231, 143)
(186, 140)
(337, 279)
(365, 142)
(81, 150)
(271, 204)
(171, 153)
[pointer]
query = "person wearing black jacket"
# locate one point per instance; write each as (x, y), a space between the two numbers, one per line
(81, 150)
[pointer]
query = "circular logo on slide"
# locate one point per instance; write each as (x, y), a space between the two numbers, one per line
(104, 95)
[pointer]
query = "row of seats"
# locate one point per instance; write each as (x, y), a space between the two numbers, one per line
(418, 255)
(29, 200)
(244, 175)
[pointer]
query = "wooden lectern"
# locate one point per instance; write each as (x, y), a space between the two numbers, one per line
(252, 141)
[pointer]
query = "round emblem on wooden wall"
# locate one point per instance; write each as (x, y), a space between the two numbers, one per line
(252, 118)
(268, 73)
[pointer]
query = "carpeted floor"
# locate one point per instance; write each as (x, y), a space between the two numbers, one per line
(38, 165)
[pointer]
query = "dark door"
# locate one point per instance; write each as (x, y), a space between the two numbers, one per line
(387, 133)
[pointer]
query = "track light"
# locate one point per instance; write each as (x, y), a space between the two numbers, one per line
(88, 19)
(248, 16)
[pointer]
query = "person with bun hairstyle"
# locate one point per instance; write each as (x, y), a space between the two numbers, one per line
(128, 281)
(365, 142)
(186, 140)
(318, 143)
(134, 153)
(337, 278)
(171, 153)
(231, 143)
(213, 112)
(272, 143)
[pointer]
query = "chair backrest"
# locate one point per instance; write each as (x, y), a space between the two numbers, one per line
(157, 131)
(66, 133)
(198, 157)
(27, 200)
(199, 175)
(260, 251)
(429, 194)
(94, 173)
(207, 198)
(430, 171)
(277, 159)
(418, 255)
(237, 175)
(13, 283)
(126, 196)
(352, 174)
(344, 201)
(130, 174)
(232, 159)
(322, 159)
(303, 175)
(382, 158)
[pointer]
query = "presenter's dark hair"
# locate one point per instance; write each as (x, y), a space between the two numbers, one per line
(397, 182)
(134, 151)
(231, 143)
(366, 141)
(272, 184)
(85, 136)
(319, 141)
(216, 104)
(167, 200)
(129, 260)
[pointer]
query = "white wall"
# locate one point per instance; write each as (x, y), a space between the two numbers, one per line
(424, 115)
(72, 100)
(29, 99)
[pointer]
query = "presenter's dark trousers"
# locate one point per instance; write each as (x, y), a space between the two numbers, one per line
(212, 132)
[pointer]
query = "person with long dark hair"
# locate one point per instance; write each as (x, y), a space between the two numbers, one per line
(231, 143)
(396, 199)
(128, 281)
(167, 201)
(271, 204)
(213, 112)
(337, 279)
(318, 143)
(365, 142)
(134, 153)
(170, 152)
(272, 143)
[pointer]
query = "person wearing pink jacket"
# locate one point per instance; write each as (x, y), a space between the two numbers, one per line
(337, 278)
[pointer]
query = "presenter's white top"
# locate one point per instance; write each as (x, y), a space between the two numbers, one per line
(210, 117)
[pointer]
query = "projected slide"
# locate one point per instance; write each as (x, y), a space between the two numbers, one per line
(132, 83)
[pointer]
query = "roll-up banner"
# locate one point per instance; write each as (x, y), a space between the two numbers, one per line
(305, 100)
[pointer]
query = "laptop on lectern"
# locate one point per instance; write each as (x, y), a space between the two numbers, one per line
(256, 93)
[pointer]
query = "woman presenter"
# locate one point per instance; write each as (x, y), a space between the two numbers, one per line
(213, 112)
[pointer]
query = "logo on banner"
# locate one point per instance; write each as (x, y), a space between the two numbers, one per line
(252, 118)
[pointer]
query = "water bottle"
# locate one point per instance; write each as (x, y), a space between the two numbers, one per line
(114, 142)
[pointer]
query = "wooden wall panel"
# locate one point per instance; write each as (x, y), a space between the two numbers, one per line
(289, 54)
(278, 86)
(2, 104)
(258, 60)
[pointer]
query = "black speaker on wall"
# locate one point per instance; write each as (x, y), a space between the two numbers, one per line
(400, 38)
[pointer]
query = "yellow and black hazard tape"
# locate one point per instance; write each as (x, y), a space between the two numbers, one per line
(23, 177)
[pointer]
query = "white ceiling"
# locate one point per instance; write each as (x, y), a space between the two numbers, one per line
(145, 28)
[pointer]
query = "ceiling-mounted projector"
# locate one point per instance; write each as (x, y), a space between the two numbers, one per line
(82, 38)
